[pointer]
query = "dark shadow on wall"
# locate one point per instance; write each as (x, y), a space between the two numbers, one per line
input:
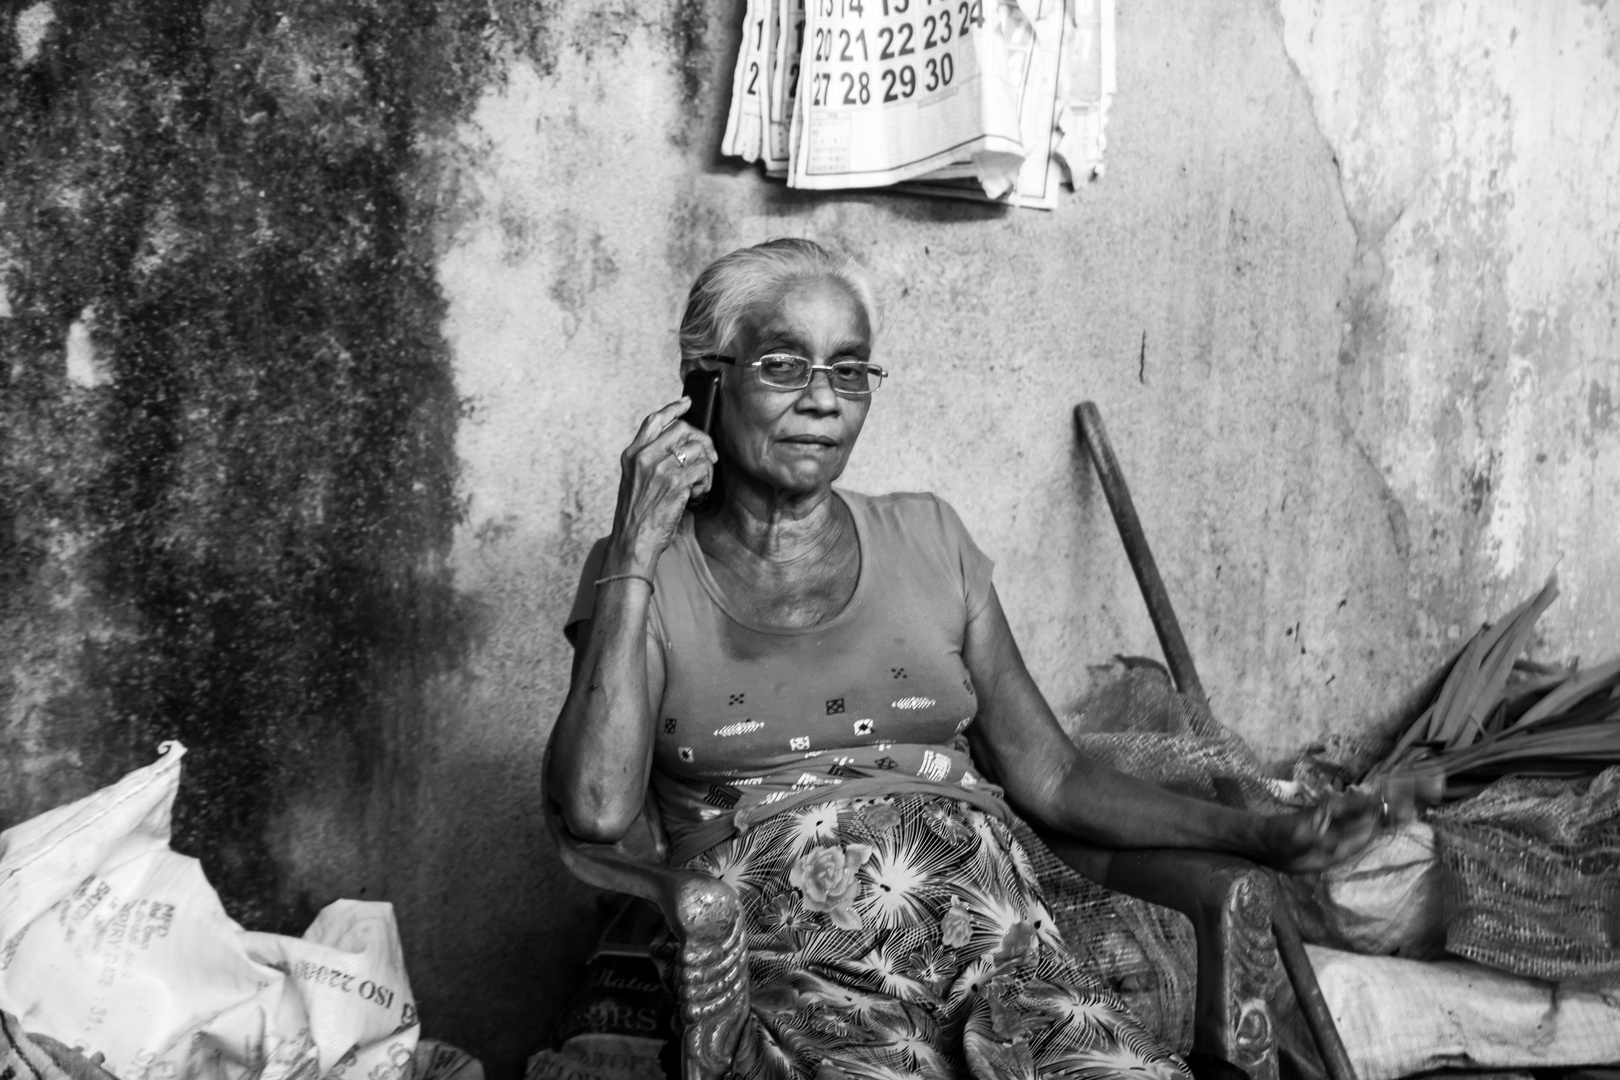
(228, 522)
(227, 459)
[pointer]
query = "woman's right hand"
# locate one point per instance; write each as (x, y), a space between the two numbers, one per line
(655, 485)
(1344, 823)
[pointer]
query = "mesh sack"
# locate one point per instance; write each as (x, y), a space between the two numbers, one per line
(1137, 723)
(1530, 877)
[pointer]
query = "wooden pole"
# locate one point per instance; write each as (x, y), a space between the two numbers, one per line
(1290, 947)
(1176, 653)
(1308, 992)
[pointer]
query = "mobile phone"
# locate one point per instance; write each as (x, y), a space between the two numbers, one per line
(703, 387)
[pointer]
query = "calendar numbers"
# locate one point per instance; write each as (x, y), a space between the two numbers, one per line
(906, 50)
(938, 30)
(956, 96)
(857, 91)
(905, 80)
(820, 84)
(795, 56)
(899, 41)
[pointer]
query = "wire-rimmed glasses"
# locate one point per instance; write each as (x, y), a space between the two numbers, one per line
(785, 371)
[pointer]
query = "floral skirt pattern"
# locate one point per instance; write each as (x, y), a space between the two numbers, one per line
(906, 937)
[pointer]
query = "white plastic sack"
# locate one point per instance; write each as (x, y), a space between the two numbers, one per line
(1387, 899)
(112, 943)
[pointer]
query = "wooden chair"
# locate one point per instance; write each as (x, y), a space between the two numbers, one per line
(1229, 902)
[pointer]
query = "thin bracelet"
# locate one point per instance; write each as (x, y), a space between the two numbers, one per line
(621, 577)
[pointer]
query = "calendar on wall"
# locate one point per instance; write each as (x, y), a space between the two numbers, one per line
(1001, 100)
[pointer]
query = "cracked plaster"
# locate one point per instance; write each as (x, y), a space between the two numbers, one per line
(1478, 144)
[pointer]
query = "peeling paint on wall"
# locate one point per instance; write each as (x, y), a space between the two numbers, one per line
(1477, 143)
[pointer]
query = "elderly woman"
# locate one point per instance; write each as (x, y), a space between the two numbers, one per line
(800, 670)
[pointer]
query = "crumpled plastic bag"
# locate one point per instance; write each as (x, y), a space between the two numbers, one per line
(1385, 901)
(112, 943)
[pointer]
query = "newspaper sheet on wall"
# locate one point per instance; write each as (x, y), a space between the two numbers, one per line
(1001, 100)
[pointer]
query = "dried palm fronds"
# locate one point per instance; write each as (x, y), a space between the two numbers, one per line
(1484, 723)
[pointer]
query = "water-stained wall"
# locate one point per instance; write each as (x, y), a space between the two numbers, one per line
(1479, 148)
(324, 323)
(229, 475)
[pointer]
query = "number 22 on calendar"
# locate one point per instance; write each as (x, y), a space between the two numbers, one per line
(911, 48)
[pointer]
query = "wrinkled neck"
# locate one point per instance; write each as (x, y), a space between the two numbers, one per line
(779, 526)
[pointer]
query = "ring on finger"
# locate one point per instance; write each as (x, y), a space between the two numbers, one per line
(680, 457)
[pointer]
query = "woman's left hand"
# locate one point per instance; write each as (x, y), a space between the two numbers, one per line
(1343, 824)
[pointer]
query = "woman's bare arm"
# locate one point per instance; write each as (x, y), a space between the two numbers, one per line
(601, 745)
(1048, 780)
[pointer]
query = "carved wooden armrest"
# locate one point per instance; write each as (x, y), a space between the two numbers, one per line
(1229, 902)
(711, 968)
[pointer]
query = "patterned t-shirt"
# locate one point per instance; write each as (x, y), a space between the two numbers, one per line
(755, 718)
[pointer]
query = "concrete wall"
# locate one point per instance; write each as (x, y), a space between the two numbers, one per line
(1480, 360)
(315, 402)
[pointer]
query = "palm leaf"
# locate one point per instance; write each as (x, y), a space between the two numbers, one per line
(1572, 691)
(1502, 644)
(1403, 745)
(1474, 703)
(1458, 683)
(1515, 692)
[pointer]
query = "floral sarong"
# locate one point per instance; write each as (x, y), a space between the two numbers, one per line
(906, 936)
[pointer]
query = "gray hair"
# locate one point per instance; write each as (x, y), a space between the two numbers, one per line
(733, 284)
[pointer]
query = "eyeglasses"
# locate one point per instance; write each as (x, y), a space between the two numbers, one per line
(784, 371)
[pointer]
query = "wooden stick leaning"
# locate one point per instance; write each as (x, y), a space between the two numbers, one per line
(1290, 948)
